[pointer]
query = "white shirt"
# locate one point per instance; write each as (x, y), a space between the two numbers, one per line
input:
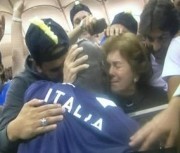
(172, 60)
(156, 79)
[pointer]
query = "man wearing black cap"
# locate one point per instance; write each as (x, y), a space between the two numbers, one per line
(48, 44)
(78, 13)
(177, 6)
(122, 22)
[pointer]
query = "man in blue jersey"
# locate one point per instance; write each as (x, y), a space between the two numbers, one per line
(48, 45)
(92, 123)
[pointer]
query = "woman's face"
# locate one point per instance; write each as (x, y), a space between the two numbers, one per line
(121, 74)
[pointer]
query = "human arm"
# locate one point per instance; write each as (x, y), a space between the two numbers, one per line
(73, 65)
(171, 68)
(74, 34)
(164, 126)
(15, 126)
(17, 39)
(85, 25)
(173, 82)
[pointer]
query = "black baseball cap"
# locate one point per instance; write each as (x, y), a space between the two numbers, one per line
(46, 40)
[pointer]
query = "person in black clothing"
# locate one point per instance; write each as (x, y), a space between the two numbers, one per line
(48, 44)
(177, 6)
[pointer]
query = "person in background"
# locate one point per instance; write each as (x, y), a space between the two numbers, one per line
(130, 71)
(159, 25)
(163, 127)
(89, 115)
(122, 22)
(81, 15)
(172, 76)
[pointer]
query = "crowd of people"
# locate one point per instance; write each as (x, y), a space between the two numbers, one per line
(73, 92)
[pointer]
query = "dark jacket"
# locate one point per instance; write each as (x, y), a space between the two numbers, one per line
(145, 97)
(14, 103)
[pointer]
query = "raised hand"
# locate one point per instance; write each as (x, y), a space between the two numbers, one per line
(88, 22)
(18, 8)
(115, 30)
(73, 65)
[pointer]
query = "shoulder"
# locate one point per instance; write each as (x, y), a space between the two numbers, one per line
(19, 85)
(154, 95)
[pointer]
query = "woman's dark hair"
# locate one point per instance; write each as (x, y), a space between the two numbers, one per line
(159, 14)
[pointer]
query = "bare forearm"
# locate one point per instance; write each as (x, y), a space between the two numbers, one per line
(175, 104)
(74, 35)
(17, 43)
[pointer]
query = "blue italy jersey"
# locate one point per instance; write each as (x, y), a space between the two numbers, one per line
(3, 92)
(91, 124)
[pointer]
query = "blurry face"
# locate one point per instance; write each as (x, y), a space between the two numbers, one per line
(78, 18)
(121, 75)
(53, 70)
(160, 41)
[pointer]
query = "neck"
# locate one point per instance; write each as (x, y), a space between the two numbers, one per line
(129, 92)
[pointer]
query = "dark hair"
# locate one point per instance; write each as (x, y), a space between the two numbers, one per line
(41, 47)
(127, 20)
(77, 8)
(95, 78)
(133, 51)
(159, 14)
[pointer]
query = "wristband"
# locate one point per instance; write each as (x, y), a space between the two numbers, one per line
(16, 19)
(177, 92)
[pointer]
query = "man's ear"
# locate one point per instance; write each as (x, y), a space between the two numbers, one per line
(1, 69)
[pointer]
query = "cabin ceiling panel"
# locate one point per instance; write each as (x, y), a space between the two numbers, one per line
(44, 12)
(5, 6)
(60, 10)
